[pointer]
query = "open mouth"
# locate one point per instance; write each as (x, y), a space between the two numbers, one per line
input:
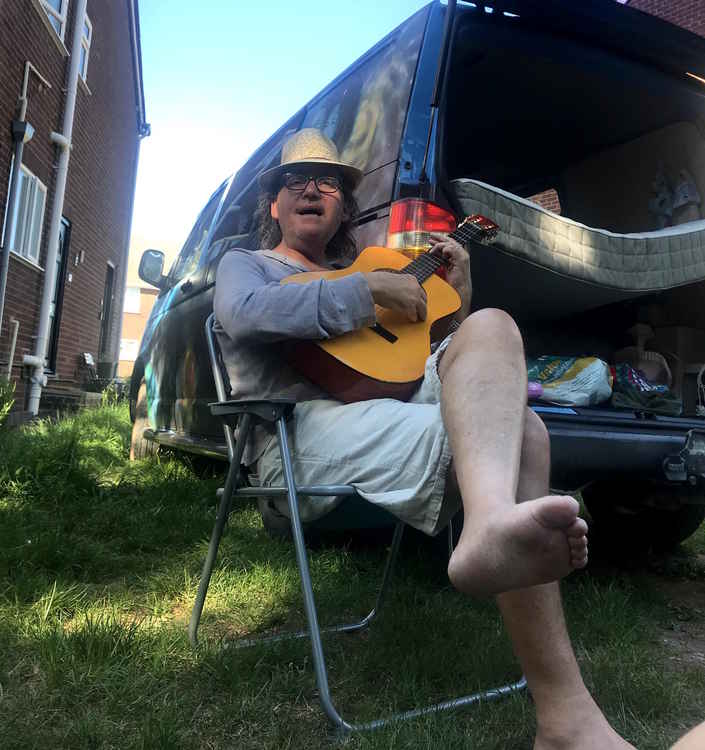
(309, 211)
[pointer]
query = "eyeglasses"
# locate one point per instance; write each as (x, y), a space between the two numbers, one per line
(299, 182)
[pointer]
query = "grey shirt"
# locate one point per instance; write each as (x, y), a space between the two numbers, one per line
(255, 314)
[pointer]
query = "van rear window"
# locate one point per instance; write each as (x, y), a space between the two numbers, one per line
(363, 112)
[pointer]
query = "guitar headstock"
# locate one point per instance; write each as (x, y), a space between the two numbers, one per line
(479, 228)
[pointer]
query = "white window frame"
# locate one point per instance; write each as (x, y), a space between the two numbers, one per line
(133, 300)
(61, 16)
(129, 349)
(85, 45)
(28, 223)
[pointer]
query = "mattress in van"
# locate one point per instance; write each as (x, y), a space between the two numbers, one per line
(635, 262)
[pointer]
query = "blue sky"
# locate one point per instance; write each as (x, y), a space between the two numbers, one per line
(219, 77)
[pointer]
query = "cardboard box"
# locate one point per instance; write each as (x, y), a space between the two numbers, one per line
(687, 344)
(682, 347)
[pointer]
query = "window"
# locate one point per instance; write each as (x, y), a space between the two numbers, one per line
(28, 216)
(106, 312)
(239, 210)
(86, 38)
(191, 252)
(132, 300)
(129, 348)
(57, 11)
(364, 113)
(57, 298)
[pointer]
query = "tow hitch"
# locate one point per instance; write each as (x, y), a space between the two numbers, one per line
(689, 464)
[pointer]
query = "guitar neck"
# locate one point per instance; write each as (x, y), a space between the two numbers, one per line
(426, 264)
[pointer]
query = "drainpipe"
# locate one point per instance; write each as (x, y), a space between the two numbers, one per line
(22, 132)
(143, 130)
(63, 142)
(126, 254)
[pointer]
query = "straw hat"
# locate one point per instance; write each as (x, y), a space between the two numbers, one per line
(309, 147)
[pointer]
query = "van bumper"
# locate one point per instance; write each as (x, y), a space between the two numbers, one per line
(588, 447)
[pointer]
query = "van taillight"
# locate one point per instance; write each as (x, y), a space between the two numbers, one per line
(411, 222)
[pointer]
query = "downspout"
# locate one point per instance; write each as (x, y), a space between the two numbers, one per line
(123, 280)
(143, 130)
(21, 133)
(63, 142)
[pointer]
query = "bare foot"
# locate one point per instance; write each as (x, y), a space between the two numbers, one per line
(576, 723)
(534, 542)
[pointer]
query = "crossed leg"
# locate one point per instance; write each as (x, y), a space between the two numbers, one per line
(504, 545)
(486, 373)
(566, 715)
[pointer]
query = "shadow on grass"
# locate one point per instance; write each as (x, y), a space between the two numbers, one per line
(101, 559)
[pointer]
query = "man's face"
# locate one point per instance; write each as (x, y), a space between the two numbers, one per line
(309, 218)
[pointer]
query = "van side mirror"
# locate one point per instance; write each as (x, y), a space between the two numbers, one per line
(151, 265)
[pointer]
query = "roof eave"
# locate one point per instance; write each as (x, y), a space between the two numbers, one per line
(143, 127)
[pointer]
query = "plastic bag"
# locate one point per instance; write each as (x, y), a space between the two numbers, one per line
(633, 390)
(572, 381)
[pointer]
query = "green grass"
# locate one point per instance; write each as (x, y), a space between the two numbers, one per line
(99, 564)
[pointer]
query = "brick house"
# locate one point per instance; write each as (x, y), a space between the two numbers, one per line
(88, 209)
(689, 14)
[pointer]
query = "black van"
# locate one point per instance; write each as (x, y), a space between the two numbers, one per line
(570, 125)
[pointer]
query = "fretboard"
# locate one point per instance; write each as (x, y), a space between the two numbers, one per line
(426, 264)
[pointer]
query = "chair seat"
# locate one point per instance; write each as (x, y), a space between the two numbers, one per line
(269, 411)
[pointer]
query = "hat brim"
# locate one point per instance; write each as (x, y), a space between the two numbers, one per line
(269, 179)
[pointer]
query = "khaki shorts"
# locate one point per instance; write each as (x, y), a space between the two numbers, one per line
(394, 453)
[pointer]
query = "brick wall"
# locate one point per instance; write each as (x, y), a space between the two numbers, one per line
(690, 14)
(548, 199)
(100, 178)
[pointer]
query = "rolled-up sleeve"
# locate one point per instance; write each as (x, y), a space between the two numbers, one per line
(249, 305)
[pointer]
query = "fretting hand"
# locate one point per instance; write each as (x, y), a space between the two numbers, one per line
(457, 270)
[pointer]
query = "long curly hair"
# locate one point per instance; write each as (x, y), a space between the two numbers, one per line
(342, 246)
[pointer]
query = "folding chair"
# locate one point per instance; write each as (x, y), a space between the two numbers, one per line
(238, 417)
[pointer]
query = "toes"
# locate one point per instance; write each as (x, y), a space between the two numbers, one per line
(578, 528)
(554, 511)
(577, 543)
(578, 551)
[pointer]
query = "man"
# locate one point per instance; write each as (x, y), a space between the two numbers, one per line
(466, 435)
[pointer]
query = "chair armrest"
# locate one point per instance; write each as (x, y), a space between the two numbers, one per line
(268, 411)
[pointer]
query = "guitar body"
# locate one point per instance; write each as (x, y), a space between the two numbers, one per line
(386, 362)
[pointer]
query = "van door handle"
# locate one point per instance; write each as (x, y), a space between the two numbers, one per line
(187, 286)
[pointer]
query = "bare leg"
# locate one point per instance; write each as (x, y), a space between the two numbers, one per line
(567, 717)
(503, 546)
(694, 740)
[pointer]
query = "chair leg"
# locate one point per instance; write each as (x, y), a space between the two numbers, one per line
(343, 727)
(352, 627)
(231, 483)
(319, 663)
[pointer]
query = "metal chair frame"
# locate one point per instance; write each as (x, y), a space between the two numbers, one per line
(238, 418)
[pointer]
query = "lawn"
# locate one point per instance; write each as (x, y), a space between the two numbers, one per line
(99, 563)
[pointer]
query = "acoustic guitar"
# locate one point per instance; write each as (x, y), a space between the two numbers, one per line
(386, 360)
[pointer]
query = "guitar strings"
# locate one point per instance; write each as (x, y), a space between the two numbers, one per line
(425, 265)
